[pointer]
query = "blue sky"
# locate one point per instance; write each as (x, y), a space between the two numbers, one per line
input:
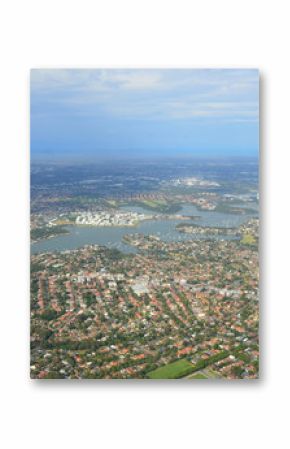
(137, 113)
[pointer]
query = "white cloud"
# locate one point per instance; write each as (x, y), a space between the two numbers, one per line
(132, 79)
(151, 94)
(95, 80)
(183, 109)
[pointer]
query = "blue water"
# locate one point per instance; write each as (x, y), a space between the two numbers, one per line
(112, 237)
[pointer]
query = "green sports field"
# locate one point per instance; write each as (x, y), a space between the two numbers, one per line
(198, 376)
(173, 370)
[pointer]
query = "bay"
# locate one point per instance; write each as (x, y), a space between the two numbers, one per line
(111, 237)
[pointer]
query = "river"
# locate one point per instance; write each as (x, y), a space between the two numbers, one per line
(112, 236)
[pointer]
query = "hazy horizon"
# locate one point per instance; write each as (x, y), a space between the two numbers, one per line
(78, 158)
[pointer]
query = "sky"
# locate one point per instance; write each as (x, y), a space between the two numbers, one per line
(144, 112)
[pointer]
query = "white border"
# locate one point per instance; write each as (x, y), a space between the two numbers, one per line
(163, 34)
